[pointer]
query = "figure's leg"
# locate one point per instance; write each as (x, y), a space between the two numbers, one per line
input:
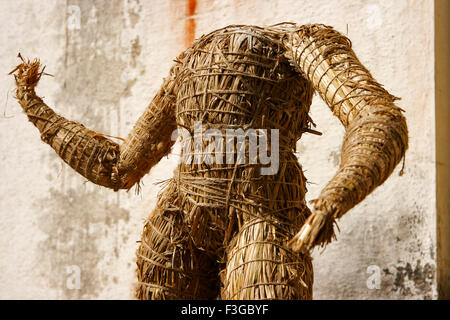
(260, 266)
(168, 264)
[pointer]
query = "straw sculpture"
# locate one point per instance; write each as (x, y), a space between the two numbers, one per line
(224, 229)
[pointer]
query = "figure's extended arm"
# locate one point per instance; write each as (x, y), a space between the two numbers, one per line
(376, 136)
(97, 158)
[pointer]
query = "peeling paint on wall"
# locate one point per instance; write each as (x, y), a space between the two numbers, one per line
(100, 66)
(73, 222)
(412, 281)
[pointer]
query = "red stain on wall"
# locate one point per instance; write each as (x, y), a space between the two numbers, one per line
(191, 7)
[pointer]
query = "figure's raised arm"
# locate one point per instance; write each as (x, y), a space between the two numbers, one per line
(376, 136)
(91, 154)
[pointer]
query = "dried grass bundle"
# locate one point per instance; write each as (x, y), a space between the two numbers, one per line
(224, 228)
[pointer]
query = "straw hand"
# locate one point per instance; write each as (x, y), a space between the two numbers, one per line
(317, 230)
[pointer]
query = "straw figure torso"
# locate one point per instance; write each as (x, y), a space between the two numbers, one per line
(223, 227)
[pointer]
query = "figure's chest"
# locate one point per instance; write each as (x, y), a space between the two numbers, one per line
(239, 80)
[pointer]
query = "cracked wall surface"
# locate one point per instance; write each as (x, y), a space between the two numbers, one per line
(64, 238)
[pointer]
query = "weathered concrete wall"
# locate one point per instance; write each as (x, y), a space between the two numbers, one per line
(108, 58)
